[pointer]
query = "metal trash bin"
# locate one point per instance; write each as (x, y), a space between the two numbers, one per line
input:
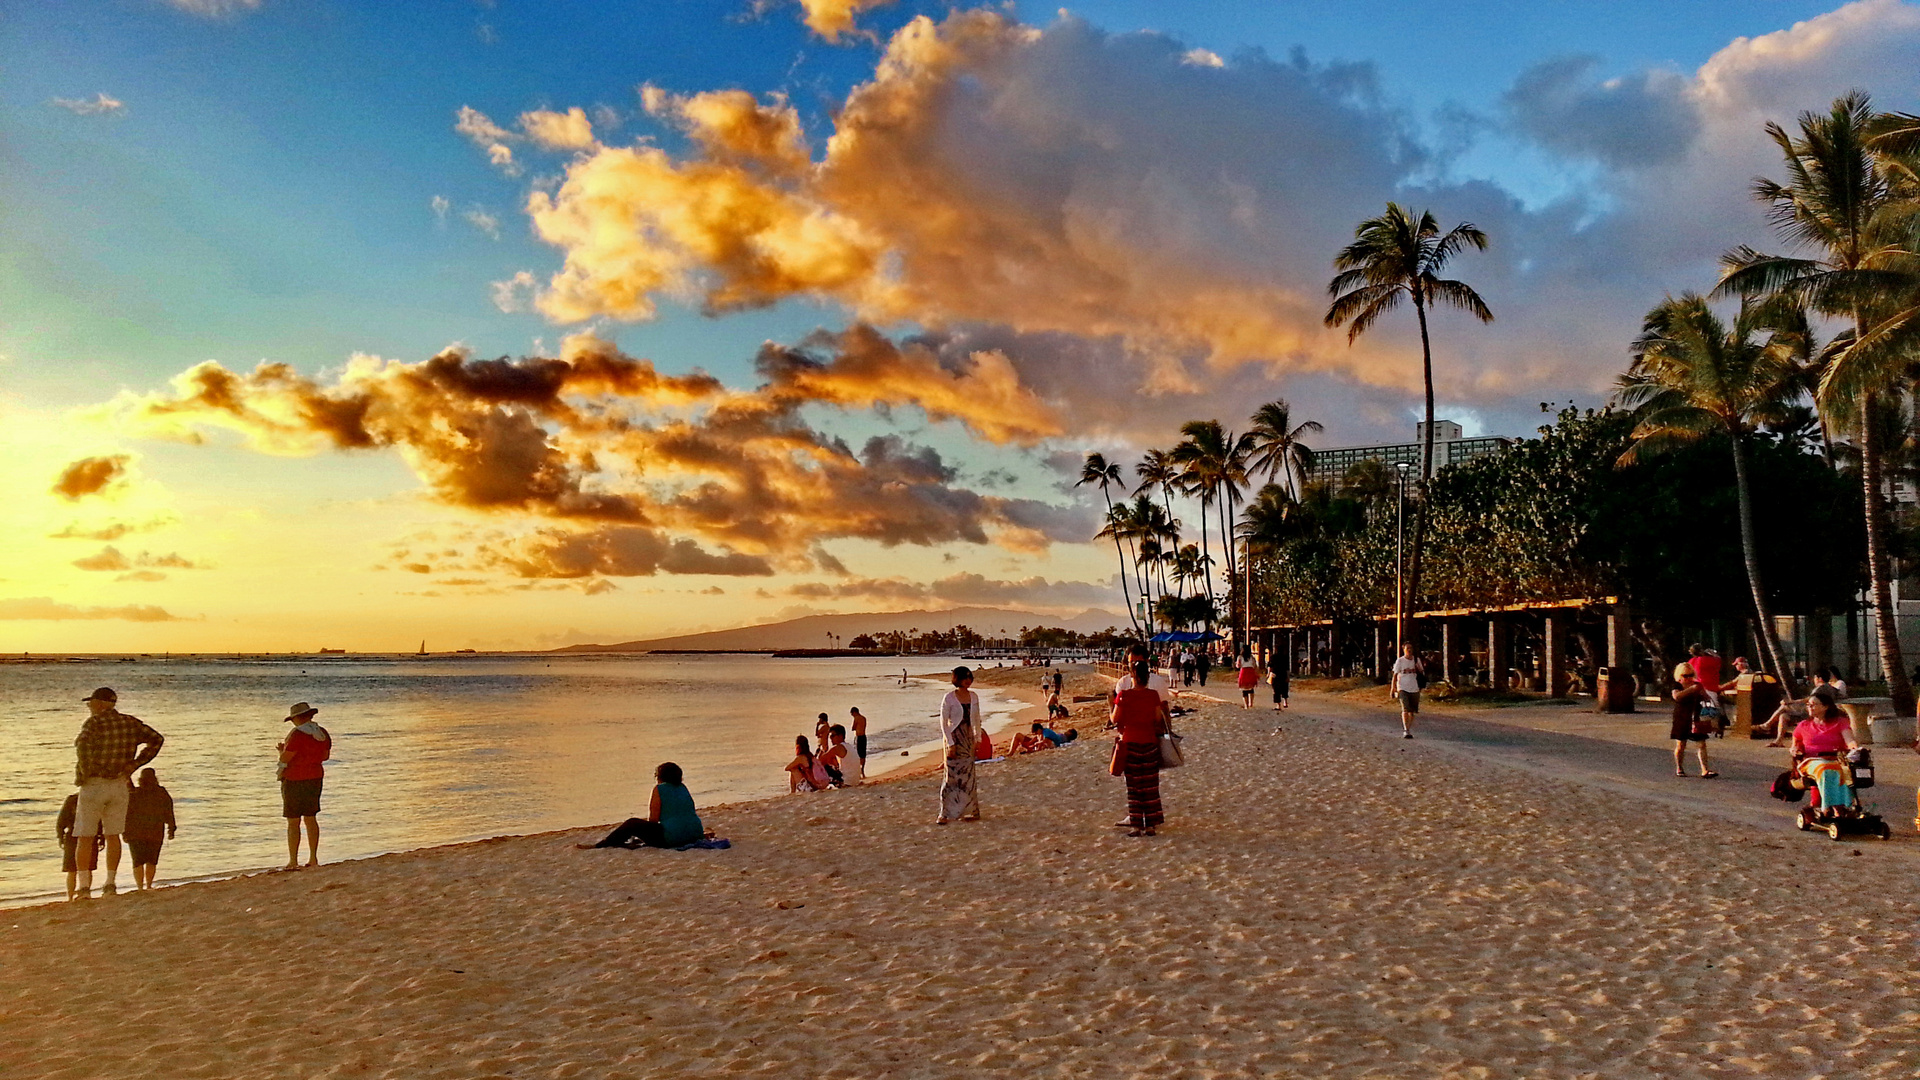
(1613, 690)
(1760, 695)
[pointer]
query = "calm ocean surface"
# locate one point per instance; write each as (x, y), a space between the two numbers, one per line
(436, 749)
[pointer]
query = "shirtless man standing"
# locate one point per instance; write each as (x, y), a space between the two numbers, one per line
(859, 736)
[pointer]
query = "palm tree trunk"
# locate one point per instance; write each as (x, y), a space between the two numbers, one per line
(1414, 560)
(1750, 550)
(1133, 619)
(1879, 564)
(1206, 555)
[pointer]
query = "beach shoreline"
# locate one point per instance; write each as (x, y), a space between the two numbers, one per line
(1400, 909)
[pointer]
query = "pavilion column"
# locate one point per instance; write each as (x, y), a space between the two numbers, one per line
(1554, 653)
(1619, 698)
(1333, 649)
(1382, 647)
(1450, 644)
(1499, 651)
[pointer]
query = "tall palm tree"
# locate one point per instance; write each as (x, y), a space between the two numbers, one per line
(1157, 470)
(1277, 449)
(1837, 205)
(1213, 464)
(1397, 257)
(1692, 376)
(1104, 474)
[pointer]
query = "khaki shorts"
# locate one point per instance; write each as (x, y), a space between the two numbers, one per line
(102, 807)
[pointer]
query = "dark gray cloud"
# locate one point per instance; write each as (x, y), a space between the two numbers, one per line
(1642, 118)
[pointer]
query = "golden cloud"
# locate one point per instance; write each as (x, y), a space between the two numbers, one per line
(92, 476)
(45, 608)
(635, 468)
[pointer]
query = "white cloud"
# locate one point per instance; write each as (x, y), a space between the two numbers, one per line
(97, 105)
(515, 293)
(440, 204)
(570, 130)
(482, 220)
(488, 136)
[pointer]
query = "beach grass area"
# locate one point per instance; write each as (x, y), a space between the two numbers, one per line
(1325, 901)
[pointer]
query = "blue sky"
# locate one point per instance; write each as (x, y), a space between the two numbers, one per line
(266, 192)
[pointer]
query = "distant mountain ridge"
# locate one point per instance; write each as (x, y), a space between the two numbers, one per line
(810, 632)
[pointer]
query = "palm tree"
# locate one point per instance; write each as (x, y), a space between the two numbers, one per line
(1838, 205)
(1157, 470)
(1097, 470)
(1693, 376)
(1397, 257)
(1213, 464)
(1277, 449)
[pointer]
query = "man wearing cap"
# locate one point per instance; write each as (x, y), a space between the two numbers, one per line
(301, 773)
(111, 747)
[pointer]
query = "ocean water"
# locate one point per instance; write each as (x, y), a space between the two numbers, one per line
(436, 749)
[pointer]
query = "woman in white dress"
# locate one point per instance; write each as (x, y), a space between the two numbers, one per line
(960, 725)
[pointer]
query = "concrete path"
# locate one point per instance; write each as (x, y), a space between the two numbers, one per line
(1627, 757)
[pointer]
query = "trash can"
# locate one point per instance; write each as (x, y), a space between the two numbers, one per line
(1613, 690)
(1760, 695)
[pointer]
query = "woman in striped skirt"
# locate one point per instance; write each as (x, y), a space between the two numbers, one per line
(1140, 714)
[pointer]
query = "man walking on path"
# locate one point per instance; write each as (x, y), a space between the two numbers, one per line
(149, 824)
(1406, 687)
(301, 777)
(860, 737)
(111, 747)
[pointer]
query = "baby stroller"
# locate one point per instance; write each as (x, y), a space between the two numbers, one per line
(1836, 782)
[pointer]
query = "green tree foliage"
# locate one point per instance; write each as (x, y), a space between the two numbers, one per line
(1554, 518)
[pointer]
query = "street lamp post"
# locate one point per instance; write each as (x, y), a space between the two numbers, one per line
(1400, 560)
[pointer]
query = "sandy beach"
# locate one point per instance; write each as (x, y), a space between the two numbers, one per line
(1325, 901)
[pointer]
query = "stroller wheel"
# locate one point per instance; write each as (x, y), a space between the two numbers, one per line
(1833, 831)
(1800, 822)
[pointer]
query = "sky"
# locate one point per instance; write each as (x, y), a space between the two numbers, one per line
(509, 324)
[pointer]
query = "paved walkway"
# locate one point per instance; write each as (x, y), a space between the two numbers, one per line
(1629, 755)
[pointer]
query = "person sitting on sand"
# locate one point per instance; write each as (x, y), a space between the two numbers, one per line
(670, 822)
(840, 758)
(805, 772)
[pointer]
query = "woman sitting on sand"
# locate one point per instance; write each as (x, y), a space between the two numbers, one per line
(670, 822)
(805, 772)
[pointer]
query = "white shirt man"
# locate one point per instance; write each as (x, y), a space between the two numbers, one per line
(1406, 687)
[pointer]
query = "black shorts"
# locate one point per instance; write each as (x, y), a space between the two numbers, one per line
(860, 746)
(146, 849)
(300, 798)
(71, 857)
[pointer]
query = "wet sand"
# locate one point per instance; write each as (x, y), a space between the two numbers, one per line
(1329, 901)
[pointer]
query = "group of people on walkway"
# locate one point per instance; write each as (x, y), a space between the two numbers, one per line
(110, 808)
(830, 761)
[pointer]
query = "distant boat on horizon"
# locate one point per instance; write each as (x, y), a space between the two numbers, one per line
(333, 652)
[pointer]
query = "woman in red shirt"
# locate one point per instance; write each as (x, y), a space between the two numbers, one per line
(1140, 714)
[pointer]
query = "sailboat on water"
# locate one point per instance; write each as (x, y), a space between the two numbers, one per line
(423, 646)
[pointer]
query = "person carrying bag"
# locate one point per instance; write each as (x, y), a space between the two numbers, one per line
(1140, 714)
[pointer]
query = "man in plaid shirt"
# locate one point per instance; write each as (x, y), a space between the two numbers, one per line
(107, 758)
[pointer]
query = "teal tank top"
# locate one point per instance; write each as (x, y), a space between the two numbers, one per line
(677, 818)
